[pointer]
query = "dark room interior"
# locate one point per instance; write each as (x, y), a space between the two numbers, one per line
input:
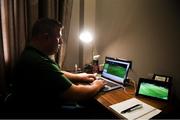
(144, 32)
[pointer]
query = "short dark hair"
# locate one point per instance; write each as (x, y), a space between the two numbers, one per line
(45, 25)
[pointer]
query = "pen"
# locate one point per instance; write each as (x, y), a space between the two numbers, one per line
(135, 107)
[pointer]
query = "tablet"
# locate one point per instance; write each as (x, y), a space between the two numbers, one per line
(154, 89)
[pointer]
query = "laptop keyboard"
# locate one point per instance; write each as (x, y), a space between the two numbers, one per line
(108, 83)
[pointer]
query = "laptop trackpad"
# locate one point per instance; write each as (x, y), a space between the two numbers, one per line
(106, 88)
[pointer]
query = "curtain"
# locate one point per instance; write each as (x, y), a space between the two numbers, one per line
(16, 20)
(2, 63)
(67, 10)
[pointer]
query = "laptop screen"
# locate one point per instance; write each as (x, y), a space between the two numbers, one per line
(115, 69)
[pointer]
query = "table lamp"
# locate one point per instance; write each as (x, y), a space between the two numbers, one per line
(86, 37)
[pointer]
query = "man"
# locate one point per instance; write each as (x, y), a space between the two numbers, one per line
(39, 84)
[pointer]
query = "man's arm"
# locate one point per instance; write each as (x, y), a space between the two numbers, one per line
(81, 92)
(80, 76)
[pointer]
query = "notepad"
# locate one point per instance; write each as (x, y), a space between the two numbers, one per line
(146, 112)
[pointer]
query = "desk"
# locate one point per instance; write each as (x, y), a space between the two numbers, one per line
(119, 95)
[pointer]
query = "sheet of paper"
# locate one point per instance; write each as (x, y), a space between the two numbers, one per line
(150, 114)
(146, 111)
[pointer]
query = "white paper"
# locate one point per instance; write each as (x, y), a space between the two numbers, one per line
(146, 112)
(149, 115)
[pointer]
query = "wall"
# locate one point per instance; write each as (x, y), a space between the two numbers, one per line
(144, 31)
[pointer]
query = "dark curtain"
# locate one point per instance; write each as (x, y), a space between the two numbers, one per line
(14, 34)
(67, 10)
(2, 63)
(51, 8)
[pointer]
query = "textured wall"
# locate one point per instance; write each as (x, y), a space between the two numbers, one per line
(144, 31)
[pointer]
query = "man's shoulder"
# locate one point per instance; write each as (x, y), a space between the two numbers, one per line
(31, 56)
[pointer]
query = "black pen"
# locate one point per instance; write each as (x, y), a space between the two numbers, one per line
(135, 107)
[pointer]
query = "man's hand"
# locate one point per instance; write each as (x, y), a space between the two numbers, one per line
(99, 83)
(87, 77)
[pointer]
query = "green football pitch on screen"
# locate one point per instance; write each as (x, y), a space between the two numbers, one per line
(116, 70)
(153, 91)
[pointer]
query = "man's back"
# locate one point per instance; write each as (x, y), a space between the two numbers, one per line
(37, 82)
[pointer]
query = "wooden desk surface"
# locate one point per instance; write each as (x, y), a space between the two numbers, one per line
(119, 95)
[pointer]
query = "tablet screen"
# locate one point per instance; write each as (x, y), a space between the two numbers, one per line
(154, 89)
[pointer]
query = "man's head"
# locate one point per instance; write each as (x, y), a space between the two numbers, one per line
(46, 35)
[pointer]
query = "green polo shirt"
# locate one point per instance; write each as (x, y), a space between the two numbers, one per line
(38, 80)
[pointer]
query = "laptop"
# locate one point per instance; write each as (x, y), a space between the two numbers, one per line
(114, 72)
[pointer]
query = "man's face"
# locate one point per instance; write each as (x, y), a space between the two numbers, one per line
(55, 41)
